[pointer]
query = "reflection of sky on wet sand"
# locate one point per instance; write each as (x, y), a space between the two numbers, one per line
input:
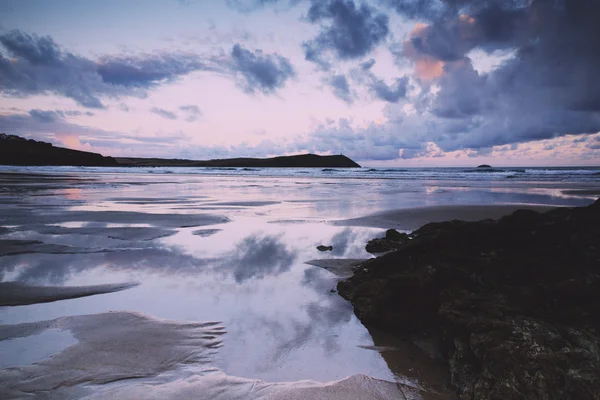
(283, 322)
(225, 249)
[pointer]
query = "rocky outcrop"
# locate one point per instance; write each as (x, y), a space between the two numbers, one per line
(15, 150)
(514, 303)
(324, 248)
(392, 241)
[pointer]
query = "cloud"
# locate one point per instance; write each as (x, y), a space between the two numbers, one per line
(347, 31)
(163, 113)
(37, 65)
(380, 90)
(546, 89)
(55, 115)
(193, 112)
(45, 116)
(50, 126)
(150, 70)
(390, 93)
(247, 6)
(260, 71)
(341, 88)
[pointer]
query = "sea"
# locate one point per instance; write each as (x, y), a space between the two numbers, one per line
(230, 246)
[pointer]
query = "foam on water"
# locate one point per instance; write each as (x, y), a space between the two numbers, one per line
(547, 174)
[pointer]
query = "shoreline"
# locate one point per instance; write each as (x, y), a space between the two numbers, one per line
(408, 219)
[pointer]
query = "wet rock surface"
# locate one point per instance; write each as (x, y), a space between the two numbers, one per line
(324, 248)
(393, 240)
(513, 304)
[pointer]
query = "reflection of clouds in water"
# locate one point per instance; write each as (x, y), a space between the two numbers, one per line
(341, 240)
(323, 315)
(350, 243)
(319, 280)
(257, 256)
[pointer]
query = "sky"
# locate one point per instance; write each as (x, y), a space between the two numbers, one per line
(385, 82)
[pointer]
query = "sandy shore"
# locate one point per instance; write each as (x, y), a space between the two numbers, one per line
(341, 267)
(413, 218)
(18, 294)
(582, 192)
(130, 347)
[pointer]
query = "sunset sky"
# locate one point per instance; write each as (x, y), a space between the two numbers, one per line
(385, 82)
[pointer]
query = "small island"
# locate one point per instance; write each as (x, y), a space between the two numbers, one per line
(484, 166)
(15, 150)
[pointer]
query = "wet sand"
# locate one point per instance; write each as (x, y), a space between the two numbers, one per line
(341, 267)
(242, 266)
(583, 192)
(116, 347)
(18, 294)
(413, 218)
(110, 347)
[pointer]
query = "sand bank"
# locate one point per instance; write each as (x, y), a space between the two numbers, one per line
(223, 387)
(12, 217)
(116, 354)
(342, 267)
(583, 192)
(18, 294)
(413, 218)
(111, 347)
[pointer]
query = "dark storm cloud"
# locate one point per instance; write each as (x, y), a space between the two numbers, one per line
(37, 65)
(45, 116)
(260, 71)
(150, 70)
(163, 113)
(347, 30)
(55, 115)
(390, 93)
(341, 88)
(546, 87)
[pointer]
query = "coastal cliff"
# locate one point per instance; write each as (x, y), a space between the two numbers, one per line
(513, 305)
(15, 150)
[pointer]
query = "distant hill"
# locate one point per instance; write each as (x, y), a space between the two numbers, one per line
(15, 150)
(298, 161)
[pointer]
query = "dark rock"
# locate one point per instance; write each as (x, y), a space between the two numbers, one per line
(393, 240)
(484, 166)
(514, 303)
(392, 234)
(324, 248)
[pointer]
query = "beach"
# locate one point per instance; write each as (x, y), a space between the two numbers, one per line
(208, 283)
